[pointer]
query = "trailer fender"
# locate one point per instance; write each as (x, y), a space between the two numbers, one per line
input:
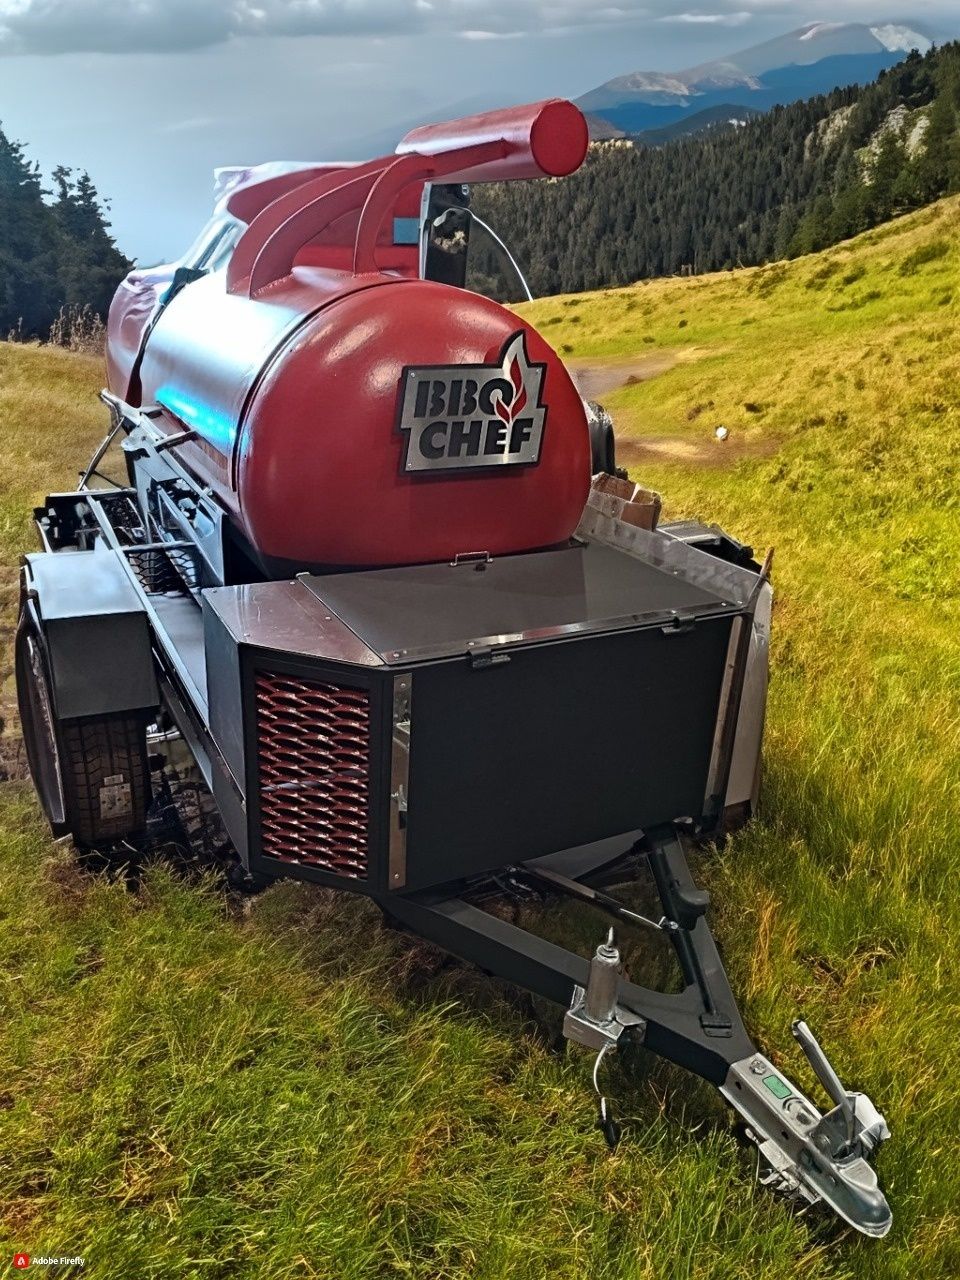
(95, 631)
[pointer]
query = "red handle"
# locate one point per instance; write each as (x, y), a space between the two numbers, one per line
(278, 253)
(545, 139)
(542, 140)
(270, 219)
(404, 170)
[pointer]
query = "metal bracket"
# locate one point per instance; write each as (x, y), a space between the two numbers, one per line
(171, 442)
(399, 780)
(582, 1029)
(594, 1018)
(695, 949)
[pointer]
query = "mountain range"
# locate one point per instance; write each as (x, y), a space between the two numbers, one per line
(814, 59)
(787, 182)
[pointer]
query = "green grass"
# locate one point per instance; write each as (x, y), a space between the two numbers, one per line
(190, 1089)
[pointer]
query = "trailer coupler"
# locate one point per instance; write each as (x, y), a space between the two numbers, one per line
(812, 1156)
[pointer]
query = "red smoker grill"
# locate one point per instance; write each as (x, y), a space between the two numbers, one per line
(371, 584)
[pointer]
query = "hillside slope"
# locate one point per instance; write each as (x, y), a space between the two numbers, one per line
(798, 179)
(191, 1090)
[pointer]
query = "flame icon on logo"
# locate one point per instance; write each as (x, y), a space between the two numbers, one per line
(515, 371)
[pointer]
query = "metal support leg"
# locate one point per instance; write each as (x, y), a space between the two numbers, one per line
(693, 943)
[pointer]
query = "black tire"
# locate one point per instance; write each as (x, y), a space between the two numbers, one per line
(91, 775)
(603, 447)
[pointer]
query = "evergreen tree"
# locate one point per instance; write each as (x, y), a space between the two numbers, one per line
(890, 161)
(28, 246)
(849, 196)
(90, 263)
(51, 255)
(934, 160)
(953, 165)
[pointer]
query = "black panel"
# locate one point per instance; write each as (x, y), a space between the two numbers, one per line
(434, 609)
(565, 744)
(96, 631)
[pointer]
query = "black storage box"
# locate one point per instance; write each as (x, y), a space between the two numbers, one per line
(404, 728)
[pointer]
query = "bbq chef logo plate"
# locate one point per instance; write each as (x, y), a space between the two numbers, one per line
(473, 416)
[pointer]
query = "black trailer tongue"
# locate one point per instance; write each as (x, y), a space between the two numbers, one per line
(809, 1156)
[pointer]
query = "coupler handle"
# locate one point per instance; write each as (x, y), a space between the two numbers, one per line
(825, 1073)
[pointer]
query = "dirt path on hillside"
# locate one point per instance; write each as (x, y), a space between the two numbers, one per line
(597, 376)
(709, 452)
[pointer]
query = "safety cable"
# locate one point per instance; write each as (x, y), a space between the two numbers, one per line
(605, 1121)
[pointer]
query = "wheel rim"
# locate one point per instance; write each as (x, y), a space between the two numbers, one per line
(37, 722)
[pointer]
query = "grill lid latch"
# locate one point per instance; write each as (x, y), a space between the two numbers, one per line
(483, 656)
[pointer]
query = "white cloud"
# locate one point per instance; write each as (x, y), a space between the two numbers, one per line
(59, 26)
(190, 125)
(158, 26)
(735, 19)
(491, 35)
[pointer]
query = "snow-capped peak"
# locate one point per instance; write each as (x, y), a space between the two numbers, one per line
(818, 28)
(901, 39)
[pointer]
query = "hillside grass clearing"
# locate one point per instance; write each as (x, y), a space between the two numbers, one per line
(193, 1087)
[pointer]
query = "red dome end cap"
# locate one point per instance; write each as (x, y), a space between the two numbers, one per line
(559, 138)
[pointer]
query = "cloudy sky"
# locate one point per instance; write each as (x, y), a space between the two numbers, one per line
(150, 95)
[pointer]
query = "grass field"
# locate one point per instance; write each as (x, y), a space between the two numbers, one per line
(192, 1088)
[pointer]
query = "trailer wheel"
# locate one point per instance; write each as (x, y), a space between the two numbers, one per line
(91, 775)
(603, 444)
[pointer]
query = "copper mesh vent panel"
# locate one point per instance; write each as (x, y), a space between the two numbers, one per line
(313, 748)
